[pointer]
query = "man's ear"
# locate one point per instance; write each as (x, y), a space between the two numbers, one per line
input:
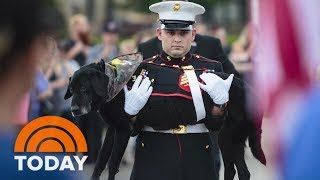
(68, 93)
(194, 32)
(159, 34)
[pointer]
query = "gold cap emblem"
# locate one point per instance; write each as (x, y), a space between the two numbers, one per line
(176, 7)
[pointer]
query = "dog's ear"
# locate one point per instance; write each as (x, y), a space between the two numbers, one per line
(101, 65)
(99, 83)
(68, 93)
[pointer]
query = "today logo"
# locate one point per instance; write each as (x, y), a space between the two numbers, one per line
(50, 134)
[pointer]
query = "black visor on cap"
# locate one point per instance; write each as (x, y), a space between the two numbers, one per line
(176, 24)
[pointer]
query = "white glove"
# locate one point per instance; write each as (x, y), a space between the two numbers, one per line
(137, 97)
(217, 88)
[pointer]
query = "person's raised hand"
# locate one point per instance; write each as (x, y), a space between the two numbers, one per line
(217, 88)
(137, 97)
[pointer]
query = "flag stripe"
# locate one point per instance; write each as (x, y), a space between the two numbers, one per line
(287, 39)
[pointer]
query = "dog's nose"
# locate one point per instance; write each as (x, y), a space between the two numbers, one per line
(75, 110)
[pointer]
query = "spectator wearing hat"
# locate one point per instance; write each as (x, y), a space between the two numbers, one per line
(174, 142)
(108, 48)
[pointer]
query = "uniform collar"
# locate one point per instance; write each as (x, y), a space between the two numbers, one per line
(170, 60)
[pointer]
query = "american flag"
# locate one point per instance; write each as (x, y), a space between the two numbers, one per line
(285, 75)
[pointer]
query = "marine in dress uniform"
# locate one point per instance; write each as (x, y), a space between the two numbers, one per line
(172, 114)
(209, 47)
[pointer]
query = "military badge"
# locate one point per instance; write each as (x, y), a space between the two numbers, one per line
(144, 73)
(176, 7)
(184, 83)
(134, 78)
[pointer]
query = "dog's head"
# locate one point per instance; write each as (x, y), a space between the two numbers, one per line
(87, 87)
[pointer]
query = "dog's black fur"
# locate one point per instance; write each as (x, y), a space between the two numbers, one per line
(240, 125)
(88, 87)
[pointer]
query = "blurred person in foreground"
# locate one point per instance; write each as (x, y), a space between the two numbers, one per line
(23, 25)
(284, 76)
(169, 152)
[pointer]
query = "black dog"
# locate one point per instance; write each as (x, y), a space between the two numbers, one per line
(239, 126)
(89, 86)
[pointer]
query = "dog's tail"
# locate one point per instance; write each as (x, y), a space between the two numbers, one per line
(255, 140)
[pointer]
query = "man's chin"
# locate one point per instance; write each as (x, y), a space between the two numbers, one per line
(176, 54)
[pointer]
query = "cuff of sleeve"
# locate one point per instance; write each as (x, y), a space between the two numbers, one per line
(224, 105)
(130, 116)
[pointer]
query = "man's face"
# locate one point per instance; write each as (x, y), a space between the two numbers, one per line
(176, 43)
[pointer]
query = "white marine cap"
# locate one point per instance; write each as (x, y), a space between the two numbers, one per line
(177, 15)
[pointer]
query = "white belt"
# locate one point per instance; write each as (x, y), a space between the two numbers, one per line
(183, 129)
(195, 92)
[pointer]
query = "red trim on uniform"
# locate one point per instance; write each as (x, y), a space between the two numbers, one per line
(180, 148)
(170, 95)
(198, 57)
(169, 66)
